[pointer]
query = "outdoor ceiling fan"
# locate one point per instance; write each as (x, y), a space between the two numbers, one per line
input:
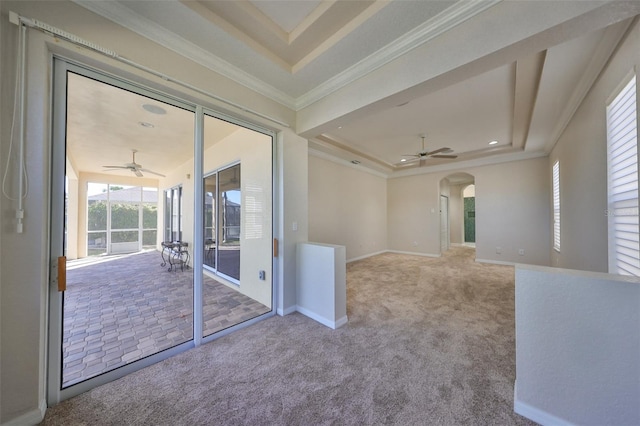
(134, 167)
(424, 154)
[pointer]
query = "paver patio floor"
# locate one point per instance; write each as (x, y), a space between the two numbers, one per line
(122, 310)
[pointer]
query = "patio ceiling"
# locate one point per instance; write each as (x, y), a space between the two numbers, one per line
(105, 123)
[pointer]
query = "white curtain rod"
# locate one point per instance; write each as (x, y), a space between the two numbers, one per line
(46, 28)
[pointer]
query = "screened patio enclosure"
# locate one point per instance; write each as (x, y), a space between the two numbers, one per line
(121, 219)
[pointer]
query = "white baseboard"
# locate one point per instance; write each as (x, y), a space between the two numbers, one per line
(496, 262)
(342, 321)
(412, 253)
(287, 311)
(366, 256)
(322, 320)
(32, 417)
(535, 414)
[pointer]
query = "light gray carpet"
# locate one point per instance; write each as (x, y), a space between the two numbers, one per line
(429, 341)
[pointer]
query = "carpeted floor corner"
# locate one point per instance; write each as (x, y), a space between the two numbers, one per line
(428, 342)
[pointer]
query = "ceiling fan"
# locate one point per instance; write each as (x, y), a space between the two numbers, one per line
(424, 154)
(134, 167)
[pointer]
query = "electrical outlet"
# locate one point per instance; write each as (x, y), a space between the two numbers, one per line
(415, 244)
(521, 252)
(262, 275)
(498, 250)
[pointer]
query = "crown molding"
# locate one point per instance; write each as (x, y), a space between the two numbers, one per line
(137, 23)
(446, 20)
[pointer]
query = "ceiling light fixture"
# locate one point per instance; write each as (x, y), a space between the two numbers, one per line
(403, 160)
(493, 143)
(154, 109)
(145, 124)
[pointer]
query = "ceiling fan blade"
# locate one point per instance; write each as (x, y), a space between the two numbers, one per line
(137, 172)
(444, 156)
(152, 172)
(439, 150)
(115, 167)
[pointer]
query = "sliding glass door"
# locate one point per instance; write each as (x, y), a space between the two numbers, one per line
(165, 218)
(237, 190)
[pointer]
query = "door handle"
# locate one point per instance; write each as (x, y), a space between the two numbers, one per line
(62, 273)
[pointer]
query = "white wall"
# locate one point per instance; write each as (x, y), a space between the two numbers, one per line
(577, 347)
(469, 191)
(254, 151)
(293, 201)
(456, 214)
(512, 212)
(347, 206)
(24, 289)
(581, 151)
(25, 256)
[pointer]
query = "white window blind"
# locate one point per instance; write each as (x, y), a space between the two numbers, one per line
(556, 206)
(622, 165)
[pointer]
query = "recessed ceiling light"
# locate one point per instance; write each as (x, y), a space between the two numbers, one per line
(154, 109)
(493, 143)
(339, 127)
(145, 124)
(403, 160)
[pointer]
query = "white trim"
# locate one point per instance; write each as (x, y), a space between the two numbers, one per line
(322, 320)
(32, 417)
(137, 23)
(291, 309)
(429, 30)
(365, 256)
(535, 414)
(413, 253)
(496, 262)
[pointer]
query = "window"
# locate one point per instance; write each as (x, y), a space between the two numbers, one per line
(556, 206)
(622, 167)
(222, 218)
(173, 214)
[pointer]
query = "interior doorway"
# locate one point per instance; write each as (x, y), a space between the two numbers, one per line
(444, 223)
(460, 189)
(469, 203)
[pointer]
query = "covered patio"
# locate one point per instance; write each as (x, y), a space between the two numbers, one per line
(119, 309)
